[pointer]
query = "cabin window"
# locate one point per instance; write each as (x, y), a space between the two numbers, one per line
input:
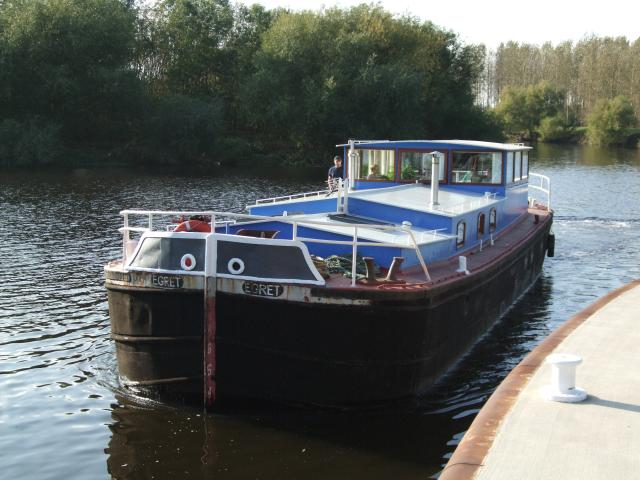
(493, 220)
(509, 167)
(461, 232)
(481, 220)
(525, 164)
(477, 167)
(374, 164)
(517, 167)
(417, 165)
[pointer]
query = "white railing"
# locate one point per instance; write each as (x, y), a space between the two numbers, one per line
(295, 196)
(225, 218)
(544, 186)
(339, 186)
(465, 206)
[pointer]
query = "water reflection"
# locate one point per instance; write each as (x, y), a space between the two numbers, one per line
(161, 442)
(555, 154)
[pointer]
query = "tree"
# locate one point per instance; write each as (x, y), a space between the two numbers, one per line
(321, 78)
(553, 129)
(66, 63)
(610, 120)
(523, 108)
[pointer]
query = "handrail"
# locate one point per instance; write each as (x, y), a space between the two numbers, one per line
(295, 222)
(544, 187)
(339, 186)
(342, 192)
(283, 198)
(461, 207)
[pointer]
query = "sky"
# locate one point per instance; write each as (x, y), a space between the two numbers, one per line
(494, 21)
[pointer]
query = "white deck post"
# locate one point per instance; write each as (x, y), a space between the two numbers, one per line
(125, 238)
(345, 201)
(352, 162)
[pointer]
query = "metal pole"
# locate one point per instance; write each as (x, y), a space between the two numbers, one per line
(209, 334)
(353, 257)
(435, 177)
(125, 238)
(352, 162)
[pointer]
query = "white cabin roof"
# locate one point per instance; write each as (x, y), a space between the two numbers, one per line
(418, 197)
(508, 147)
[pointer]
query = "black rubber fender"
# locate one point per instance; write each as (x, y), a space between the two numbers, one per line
(551, 245)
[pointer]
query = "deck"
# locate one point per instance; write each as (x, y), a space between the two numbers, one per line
(477, 260)
(521, 435)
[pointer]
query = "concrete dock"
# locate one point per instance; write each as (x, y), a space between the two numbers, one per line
(520, 435)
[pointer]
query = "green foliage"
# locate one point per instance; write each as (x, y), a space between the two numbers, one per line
(28, 143)
(553, 129)
(522, 109)
(67, 61)
(208, 80)
(184, 129)
(361, 73)
(591, 69)
(610, 121)
(187, 39)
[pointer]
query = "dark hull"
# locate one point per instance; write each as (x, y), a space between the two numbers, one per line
(332, 355)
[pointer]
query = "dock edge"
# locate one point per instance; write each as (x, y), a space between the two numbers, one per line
(469, 455)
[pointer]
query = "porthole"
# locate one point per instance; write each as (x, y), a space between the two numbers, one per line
(235, 266)
(188, 262)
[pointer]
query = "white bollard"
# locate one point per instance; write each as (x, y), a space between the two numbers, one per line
(563, 379)
(462, 265)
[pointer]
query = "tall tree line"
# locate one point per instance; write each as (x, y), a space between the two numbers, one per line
(590, 70)
(199, 81)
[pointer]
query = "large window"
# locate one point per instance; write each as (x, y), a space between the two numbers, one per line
(477, 167)
(517, 167)
(375, 165)
(417, 166)
(509, 167)
(525, 164)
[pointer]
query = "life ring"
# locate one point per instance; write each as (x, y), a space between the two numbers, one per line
(194, 226)
(188, 262)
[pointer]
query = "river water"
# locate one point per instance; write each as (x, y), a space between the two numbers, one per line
(63, 413)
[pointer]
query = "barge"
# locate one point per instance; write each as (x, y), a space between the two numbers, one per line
(361, 294)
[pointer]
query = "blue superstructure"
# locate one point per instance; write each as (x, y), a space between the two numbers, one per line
(482, 189)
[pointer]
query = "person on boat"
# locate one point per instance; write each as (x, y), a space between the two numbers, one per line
(374, 173)
(335, 173)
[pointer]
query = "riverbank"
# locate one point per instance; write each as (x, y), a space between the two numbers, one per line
(578, 136)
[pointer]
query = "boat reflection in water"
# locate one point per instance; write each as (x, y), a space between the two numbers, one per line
(167, 443)
(255, 300)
